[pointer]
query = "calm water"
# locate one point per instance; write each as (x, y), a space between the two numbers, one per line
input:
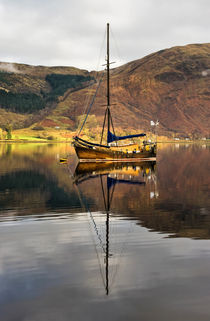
(102, 242)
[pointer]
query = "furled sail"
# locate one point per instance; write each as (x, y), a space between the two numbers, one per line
(111, 181)
(111, 137)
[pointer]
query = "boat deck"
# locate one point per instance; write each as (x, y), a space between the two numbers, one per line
(125, 160)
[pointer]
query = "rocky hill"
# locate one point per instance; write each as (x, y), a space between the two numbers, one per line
(172, 85)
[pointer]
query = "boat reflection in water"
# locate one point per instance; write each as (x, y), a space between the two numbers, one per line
(102, 179)
(122, 172)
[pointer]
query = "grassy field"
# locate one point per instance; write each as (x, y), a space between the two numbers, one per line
(47, 135)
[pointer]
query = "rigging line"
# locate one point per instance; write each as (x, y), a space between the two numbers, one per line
(112, 124)
(88, 96)
(102, 186)
(102, 134)
(92, 218)
(86, 104)
(116, 45)
(112, 194)
(97, 254)
(97, 232)
(101, 49)
(125, 243)
(113, 127)
(91, 104)
(87, 99)
(99, 263)
(86, 208)
(101, 242)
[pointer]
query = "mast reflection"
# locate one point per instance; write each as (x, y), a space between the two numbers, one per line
(109, 175)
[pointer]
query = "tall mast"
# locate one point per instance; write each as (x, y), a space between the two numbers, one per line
(108, 91)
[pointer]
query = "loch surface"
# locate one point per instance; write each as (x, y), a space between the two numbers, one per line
(104, 241)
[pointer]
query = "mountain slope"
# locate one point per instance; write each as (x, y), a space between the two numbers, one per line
(172, 85)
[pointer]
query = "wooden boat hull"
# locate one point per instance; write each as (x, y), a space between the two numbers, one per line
(89, 153)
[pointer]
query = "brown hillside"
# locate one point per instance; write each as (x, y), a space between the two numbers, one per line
(172, 85)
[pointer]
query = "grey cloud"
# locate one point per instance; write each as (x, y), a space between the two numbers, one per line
(206, 72)
(70, 32)
(9, 68)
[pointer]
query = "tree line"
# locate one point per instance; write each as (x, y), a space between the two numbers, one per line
(30, 102)
(21, 102)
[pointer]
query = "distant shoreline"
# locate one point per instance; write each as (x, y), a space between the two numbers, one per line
(6, 141)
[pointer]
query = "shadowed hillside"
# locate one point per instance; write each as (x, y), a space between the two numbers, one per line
(171, 85)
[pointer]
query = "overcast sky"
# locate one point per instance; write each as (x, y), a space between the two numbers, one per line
(71, 32)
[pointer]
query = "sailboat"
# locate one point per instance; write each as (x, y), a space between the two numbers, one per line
(112, 150)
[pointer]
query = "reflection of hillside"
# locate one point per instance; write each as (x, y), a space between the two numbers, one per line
(185, 184)
(177, 203)
(172, 197)
(32, 178)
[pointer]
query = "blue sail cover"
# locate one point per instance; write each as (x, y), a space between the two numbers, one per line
(111, 137)
(113, 181)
